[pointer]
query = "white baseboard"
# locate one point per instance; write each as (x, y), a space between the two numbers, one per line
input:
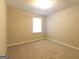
(64, 44)
(53, 40)
(24, 42)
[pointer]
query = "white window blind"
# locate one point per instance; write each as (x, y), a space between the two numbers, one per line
(37, 25)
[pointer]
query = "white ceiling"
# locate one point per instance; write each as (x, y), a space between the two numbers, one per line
(25, 5)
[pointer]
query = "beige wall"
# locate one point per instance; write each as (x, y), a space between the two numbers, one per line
(2, 27)
(63, 26)
(20, 26)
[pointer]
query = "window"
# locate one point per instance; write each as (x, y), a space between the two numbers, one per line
(37, 25)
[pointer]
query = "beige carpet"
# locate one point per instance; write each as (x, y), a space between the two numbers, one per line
(43, 49)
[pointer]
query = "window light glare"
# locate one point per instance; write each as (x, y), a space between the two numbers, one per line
(37, 25)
